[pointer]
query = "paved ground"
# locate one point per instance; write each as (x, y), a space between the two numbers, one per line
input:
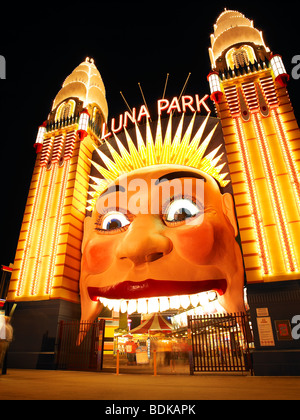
(71, 385)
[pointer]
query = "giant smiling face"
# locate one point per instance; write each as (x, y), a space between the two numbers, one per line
(186, 246)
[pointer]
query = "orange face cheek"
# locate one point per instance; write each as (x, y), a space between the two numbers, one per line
(99, 254)
(194, 243)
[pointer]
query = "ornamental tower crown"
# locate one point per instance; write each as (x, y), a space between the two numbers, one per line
(236, 42)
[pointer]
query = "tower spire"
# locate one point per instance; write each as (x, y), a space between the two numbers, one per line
(248, 83)
(48, 253)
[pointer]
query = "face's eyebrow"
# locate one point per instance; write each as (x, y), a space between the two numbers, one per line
(113, 189)
(179, 174)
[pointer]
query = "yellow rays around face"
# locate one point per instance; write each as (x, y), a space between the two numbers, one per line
(181, 149)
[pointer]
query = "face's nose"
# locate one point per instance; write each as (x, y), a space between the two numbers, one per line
(144, 241)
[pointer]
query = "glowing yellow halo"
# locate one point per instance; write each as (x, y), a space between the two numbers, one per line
(179, 150)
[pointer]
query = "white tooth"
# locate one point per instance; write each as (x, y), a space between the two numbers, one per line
(142, 306)
(194, 300)
(153, 305)
(117, 305)
(164, 303)
(104, 301)
(185, 301)
(132, 306)
(212, 296)
(123, 306)
(174, 302)
(110, 304)
(203, 299)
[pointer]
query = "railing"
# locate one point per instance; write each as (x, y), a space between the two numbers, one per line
(65, 122)
(86, 356)
(221, 343)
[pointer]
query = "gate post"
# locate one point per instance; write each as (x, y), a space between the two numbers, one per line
(190, 347)
(58, 343)
(154, 362)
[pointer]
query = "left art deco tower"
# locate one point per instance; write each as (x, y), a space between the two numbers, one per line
(47, 260)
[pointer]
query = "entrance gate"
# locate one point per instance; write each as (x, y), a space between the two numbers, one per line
(88, 356)
(220, 343)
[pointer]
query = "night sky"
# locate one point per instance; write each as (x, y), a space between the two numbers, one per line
(131, 42)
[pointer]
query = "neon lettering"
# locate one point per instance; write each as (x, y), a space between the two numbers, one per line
(162, 105)
(131, 117)
(187, 103)
(200, 102)
(113, 121)
(143, 113)
(105, 133)
(174, 106)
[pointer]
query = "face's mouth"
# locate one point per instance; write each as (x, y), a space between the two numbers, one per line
(155, 296)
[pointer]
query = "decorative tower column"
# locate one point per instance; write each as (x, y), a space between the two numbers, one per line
(248, 85)
(47, 261)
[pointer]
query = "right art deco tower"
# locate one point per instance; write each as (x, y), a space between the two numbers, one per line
(248, 85)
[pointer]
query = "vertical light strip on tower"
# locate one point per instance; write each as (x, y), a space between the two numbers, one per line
(279, 211)
(56, 151)
(31, 226)
(55, 233)
(43, 231)
(233, 102)
(253, 200)
(44, 158)
(66, 155)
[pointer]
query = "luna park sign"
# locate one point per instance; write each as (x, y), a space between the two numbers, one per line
(184, 104)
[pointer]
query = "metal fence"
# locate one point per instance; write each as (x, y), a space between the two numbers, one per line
(220, 343)
(86, 356)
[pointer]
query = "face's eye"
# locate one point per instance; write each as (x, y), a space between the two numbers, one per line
(113, 221)
(180, 210)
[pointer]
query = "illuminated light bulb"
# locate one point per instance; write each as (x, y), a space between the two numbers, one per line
(123, 306)
(215, 87)
(153, 305)
(131, 306)
(164, 303)
(174, 302)
(279, 70)
(142, 306)
(40, 137)
(83, 124)
(185, 301)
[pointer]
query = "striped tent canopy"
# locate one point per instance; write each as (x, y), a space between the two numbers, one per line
(155, 323)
